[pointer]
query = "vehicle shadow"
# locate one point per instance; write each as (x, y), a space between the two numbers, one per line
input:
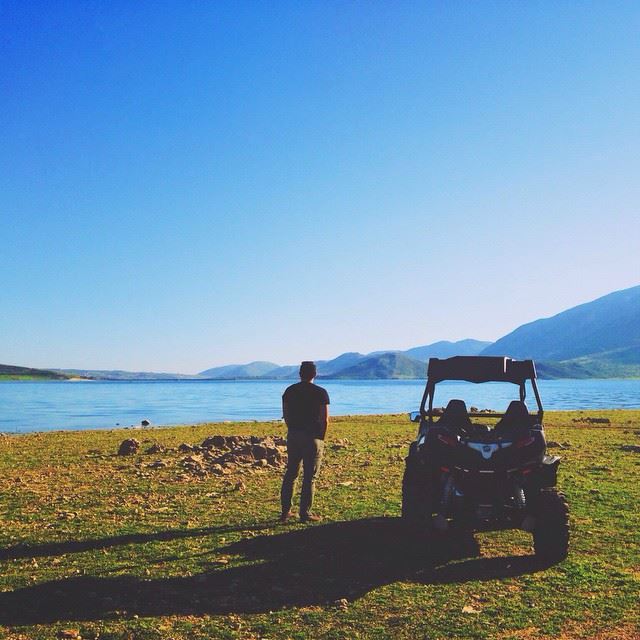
(313, 566)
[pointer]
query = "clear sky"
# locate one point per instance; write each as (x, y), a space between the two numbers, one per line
(187, 184)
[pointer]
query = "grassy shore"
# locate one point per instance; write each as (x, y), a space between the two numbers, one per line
(100, 545)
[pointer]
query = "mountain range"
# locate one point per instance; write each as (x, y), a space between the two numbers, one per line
(597, 339)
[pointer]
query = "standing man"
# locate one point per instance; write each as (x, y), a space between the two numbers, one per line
(305, 407)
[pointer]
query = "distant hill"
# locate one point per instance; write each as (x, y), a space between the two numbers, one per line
(447, 349)
(118, 374)
(11, 372)
(343, 361)
(600, 338)
(384, 366)
(255, 369)
(409, 364)
(286, 372)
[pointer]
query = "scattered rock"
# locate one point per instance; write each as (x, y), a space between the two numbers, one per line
(634, 448)
(342, 604)
(342, 443)
(128, 447)
(155, 448)
(552, 444)
(346, 483)
(69, 634)
(145, 423)
(591, 420)
(469, 609)
(67, 515)
(157, 464)
(185, 448)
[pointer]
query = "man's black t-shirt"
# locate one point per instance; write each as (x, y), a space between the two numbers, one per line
(304, 402)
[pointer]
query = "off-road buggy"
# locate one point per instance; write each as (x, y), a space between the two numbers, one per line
(471, 476)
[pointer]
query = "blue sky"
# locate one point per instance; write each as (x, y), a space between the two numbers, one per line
(187, 184)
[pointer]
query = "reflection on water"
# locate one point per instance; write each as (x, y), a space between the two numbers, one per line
(39, 406)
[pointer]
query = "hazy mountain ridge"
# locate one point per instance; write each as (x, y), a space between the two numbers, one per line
(374, 365)
(384, 366)
(118, 374)
(597, 339)
(606, 324)
(254, 369)
(600, 338)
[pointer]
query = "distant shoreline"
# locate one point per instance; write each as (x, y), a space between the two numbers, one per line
(280, 423)
(9, 378)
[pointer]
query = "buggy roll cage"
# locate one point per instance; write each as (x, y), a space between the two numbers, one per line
(479, 369)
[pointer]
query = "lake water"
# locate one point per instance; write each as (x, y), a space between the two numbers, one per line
(45, 406)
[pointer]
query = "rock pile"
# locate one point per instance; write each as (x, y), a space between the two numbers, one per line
(221, 455)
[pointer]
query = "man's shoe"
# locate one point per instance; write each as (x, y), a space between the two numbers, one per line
(309, 517)
(286, 516)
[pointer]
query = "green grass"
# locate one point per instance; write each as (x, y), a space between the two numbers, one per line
(106, 545)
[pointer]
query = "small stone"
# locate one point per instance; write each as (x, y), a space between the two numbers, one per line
(145, 423)
(69, 634)
(157, 464)
(342, 604)
(469, 609)
(185, 448)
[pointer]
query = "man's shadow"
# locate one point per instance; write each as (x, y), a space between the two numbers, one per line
(313, 566)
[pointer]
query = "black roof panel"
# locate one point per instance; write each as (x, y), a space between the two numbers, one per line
(481, 369)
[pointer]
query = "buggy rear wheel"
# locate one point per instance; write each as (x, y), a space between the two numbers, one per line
(417, 494)
(551, 530)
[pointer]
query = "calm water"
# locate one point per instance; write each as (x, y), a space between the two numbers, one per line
(43, 406)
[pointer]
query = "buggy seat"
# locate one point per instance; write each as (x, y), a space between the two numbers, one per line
(516, 419)
(455, 417)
